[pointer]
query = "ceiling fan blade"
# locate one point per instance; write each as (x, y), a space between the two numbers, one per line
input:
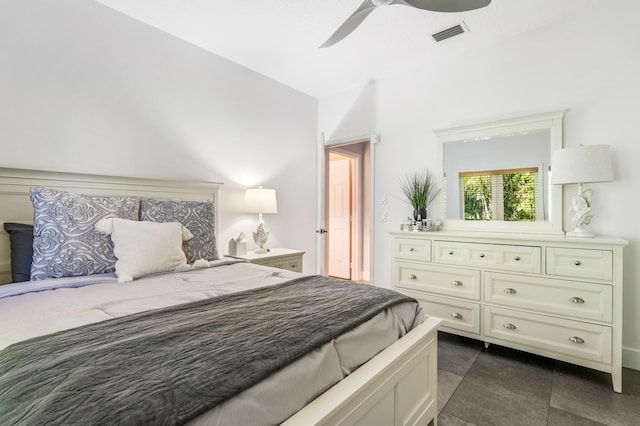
(448, 5)
(351, 23)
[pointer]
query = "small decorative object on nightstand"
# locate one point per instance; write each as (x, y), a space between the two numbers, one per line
(260, 201)
(276, 258)
(583, 164)
(238, 246)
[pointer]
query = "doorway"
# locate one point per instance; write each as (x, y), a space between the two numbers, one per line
(347, 211)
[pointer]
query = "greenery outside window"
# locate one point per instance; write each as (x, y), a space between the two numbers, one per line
(508, 195)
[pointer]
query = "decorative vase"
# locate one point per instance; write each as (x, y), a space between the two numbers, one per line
(419, 214)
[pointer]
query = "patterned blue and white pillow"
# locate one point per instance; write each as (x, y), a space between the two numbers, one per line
(65, 241)
(196, 216)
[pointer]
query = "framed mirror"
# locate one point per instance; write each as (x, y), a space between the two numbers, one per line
(495, 175)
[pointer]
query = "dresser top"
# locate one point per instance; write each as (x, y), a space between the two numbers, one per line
(273, 253)
(511, 237)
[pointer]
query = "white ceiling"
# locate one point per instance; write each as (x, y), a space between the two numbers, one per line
(280, 38)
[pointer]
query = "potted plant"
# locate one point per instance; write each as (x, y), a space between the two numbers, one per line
(420, 190)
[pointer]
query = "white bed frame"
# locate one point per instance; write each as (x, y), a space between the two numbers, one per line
(397, 387)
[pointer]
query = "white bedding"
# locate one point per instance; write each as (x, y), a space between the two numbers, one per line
(26, 312)
(37, 308)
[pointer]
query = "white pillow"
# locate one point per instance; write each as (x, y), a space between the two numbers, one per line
(143, 247)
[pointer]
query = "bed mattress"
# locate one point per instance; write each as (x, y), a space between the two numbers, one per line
(39, 308)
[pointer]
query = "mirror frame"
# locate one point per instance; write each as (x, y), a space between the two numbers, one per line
(551, 121)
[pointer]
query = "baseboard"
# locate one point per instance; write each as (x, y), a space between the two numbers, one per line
(631, 358)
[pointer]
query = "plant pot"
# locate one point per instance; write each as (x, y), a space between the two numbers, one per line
(419, 214)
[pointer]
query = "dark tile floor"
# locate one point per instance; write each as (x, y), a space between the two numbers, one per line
(501, 386)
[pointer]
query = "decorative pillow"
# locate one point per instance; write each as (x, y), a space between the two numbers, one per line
(65, 242)
(21, 243)
(197, 216)
(145, 247)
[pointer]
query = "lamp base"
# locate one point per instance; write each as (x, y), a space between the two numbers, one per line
(580, 233)
(260, 238)
(581, 213)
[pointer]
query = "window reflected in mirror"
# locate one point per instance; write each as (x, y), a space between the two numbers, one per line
(509, 195)
(500, 178)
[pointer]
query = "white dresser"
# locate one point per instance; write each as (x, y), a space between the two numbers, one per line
(549, 295)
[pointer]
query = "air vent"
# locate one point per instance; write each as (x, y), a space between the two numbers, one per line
(450, 32)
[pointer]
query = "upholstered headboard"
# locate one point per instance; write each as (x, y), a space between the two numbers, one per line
(15, 204)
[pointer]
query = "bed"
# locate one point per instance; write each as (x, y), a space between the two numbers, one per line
(379, 368)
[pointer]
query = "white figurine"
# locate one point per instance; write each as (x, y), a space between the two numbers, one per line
(581, 213)
(260, 238)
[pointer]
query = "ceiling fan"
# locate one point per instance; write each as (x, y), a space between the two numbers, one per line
(368, 6)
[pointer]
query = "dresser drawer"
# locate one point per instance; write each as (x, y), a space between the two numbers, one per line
(495, 256)
(547, 335)
(548, 295)
(580, 263)
(455, 314)
(441, 280)
(292, 264)
(412, 249)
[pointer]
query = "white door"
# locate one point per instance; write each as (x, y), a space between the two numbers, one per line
(339, 216)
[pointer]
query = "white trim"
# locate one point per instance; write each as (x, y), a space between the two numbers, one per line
(631, 358)
(347, 141)
(320, 202)
(375, 140)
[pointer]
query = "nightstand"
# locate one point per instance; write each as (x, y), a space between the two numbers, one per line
(276, 258)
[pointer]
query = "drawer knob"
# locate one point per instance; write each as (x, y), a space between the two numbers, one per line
(456, 315)
(456, 283)
(509, 326)
(413, 277)
(450, 251)
(481, 254)
(577, 263)
(412, 249)
(576, 339)
(509, 290)
(576, 300)
(517, 258)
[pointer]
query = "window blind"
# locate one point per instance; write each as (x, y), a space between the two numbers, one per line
(508, 195)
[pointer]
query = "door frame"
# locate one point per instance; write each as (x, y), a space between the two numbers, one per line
(322, 179)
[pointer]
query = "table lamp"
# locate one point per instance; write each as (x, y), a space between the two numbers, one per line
(260, 201)
(582, 164)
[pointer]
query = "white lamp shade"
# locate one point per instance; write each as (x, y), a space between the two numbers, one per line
(582, 164)
(260, 200)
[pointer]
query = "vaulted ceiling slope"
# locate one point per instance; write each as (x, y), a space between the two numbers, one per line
(281, 38)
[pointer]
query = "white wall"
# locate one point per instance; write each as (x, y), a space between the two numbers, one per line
(589, 66)
(350, 115)
(86, 89)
